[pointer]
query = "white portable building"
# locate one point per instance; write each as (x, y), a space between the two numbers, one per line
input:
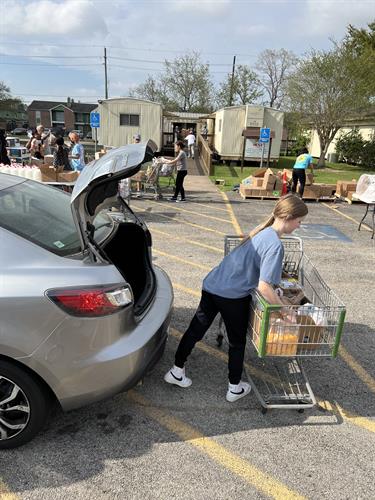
(123, 117)
(237, 130)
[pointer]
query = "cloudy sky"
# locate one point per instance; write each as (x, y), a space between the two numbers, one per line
(51, 49)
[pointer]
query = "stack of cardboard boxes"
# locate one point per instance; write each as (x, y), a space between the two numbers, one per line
(265, 183)
(52, 174)
(346, 189)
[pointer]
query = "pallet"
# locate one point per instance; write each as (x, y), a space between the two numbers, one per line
(321, 198)
(348, 200)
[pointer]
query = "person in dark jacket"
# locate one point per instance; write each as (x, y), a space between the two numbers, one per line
(61, 155)
(4, 158)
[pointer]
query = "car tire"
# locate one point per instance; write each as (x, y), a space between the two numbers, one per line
(20, 390)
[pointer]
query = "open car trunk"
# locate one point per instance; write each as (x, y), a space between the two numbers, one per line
(129, 249)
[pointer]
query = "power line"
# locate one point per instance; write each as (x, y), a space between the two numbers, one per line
(51, 57)
(9, 42)
(52, 65)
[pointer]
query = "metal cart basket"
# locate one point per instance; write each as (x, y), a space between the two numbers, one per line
(282, 335)
(149, 178)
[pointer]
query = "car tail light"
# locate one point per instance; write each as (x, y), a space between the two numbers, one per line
(91, 302)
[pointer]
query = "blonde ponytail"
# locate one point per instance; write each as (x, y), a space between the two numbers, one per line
(266, 223)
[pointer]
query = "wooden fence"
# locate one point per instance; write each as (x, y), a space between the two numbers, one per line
(205, 154)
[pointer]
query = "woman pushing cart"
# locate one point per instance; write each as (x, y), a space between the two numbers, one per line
(256, 264)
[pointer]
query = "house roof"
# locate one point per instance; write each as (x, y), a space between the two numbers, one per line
(77, 107)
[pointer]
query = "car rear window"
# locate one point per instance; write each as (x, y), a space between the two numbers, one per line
(42, 215)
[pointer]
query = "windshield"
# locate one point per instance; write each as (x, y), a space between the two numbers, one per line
(42, 215)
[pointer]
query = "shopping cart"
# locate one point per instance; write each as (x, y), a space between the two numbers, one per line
(149, 179)
(282, 335)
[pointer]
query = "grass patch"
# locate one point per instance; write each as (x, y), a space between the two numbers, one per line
(329, 175)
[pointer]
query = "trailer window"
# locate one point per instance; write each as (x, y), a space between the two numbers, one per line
(129, 120)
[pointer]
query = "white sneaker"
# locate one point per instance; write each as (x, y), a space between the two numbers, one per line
(237, 391)
(177, 376)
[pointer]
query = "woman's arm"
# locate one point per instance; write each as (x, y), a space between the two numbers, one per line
(268, 292)
(173, 162)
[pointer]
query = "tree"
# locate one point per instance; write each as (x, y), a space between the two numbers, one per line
(8, 102)
(359, 45)
(274, 67)
(244, 89)
(152, 90)
(325, 92)
(186, 80)
(4, 92)
(184, 85)
(350, 146)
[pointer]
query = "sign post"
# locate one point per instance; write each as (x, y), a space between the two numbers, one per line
(95, 124)
(264, 138)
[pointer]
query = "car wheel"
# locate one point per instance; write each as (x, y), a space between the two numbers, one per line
(23, 406)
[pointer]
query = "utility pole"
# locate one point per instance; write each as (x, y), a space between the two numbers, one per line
(232, 81)
(105, 74)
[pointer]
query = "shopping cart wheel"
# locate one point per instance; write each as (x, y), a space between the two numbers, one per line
(219, 340)
(301, 410)
(264, 410)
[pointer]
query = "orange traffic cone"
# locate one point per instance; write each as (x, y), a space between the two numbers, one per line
(284, 189)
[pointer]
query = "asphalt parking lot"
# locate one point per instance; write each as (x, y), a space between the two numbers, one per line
(159, 441)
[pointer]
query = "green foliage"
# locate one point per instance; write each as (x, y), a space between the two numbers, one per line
(301, 142)
(243, 90)
(368, 154)
(350, 147)
(326, 92)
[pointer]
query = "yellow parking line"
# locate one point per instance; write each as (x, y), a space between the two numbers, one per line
(191, 242)
(186, 289)
(210, 206)
(192, 212)
(335, 408)
(350, 417)
(184, 222)
(357, 368)
(179, 259)
(347, 217)
(5, 494)
(245, 470)
(234, 220)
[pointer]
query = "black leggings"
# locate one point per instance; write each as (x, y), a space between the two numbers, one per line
(235, 314)
(181, 174)
(299, 174)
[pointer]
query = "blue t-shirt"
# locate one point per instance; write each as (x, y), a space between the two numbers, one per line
(303, 161)
(78, 163)
(258, 259)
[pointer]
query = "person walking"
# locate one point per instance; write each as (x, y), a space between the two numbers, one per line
(190, 138)
(304, 160)
(61, 155)
(181, 164)
(4, 158)
(78, 153)
(136, 138)
(256, 263)
(204, 132)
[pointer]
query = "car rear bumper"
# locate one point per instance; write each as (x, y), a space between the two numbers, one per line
(78, 380)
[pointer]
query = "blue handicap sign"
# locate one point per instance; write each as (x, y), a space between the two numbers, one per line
(94, 120)
(265, 134)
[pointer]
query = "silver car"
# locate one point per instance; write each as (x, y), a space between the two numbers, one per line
(83, 311)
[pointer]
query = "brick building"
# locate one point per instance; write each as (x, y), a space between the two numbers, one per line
(69, 115)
